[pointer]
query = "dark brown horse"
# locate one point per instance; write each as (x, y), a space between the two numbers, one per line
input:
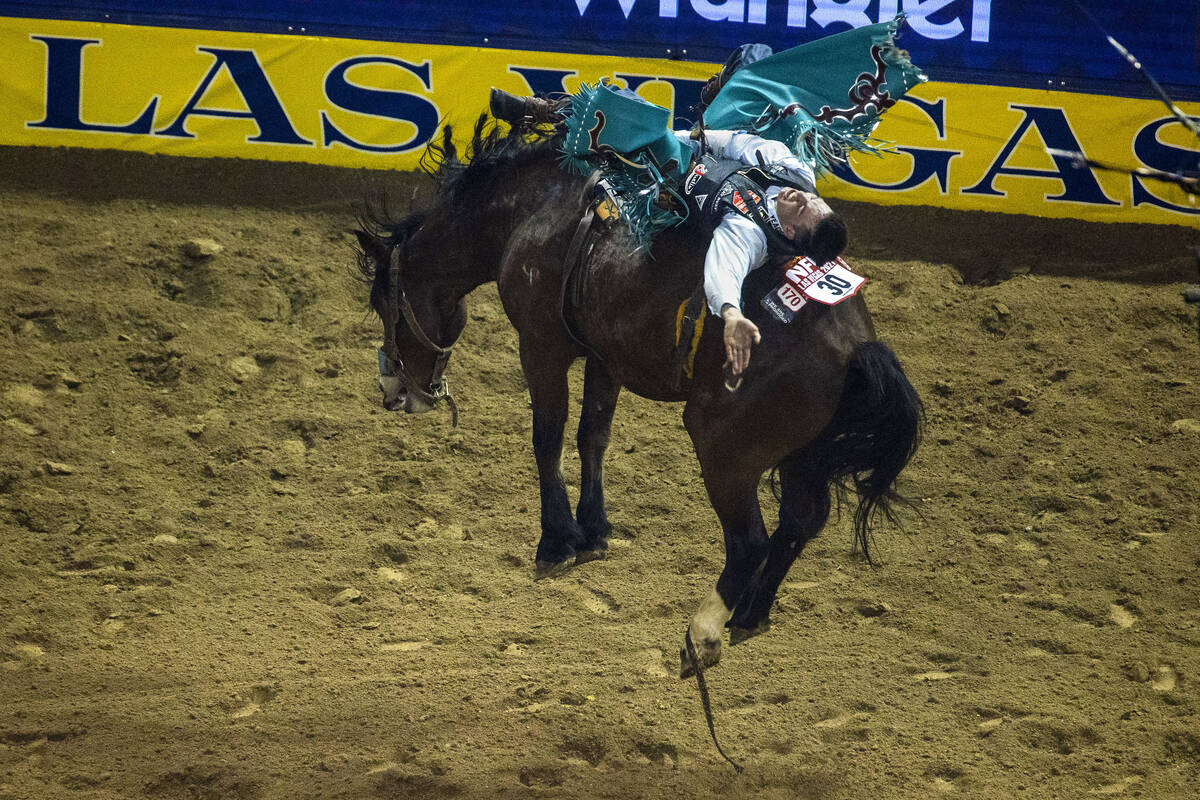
(821, 400)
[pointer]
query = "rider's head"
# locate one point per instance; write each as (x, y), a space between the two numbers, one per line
(809, 221)
(798, 211)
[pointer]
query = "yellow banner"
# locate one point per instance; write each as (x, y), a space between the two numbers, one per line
(356, 103)
(988, 148)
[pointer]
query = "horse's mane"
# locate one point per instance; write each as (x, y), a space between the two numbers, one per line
(459, 182)
(490, 156)
(376, 221)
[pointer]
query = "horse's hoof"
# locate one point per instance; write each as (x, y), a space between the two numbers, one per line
(687, 667)
(738, 635)
(709, 657)
(547, 569)
(584, 556)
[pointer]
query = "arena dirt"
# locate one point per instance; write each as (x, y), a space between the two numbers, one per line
(227, 572)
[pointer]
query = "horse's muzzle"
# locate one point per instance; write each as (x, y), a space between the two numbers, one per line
(396, 396)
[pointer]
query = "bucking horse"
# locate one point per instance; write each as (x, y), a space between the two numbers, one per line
(823, 402)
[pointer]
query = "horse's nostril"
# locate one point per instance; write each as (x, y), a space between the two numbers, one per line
(394, 396)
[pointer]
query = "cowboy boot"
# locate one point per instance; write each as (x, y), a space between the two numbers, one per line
(744, 56)
(533, 110)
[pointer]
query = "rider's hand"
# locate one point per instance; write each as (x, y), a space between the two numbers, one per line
(740, 335)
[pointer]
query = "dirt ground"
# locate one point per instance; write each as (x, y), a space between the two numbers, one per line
(227, 572)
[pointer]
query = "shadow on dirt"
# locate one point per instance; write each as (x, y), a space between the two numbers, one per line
(990, 248)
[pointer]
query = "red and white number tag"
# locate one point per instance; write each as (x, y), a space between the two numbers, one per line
(803, 280)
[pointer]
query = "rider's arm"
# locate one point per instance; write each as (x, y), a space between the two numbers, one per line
(737, 247)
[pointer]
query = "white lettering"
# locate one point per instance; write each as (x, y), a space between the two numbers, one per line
(852, 12)
(800, 269)
(666, 8)
(918, 12)
(797, 13)
(726, 10)
(981, 20)
(830, 12)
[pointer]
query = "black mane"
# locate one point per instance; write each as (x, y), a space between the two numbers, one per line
(377, 223)
(490, 156)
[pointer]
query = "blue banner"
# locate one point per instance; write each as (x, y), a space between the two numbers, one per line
(1039, 45)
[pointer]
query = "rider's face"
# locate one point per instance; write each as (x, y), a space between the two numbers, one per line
(799, 212)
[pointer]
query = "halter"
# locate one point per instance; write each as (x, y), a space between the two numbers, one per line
(391, 365)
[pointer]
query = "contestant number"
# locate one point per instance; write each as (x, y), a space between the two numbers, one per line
(834, 285)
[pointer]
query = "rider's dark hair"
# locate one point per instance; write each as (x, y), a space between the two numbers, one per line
(828, 240)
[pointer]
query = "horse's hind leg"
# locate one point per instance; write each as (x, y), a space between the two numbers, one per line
(600, 394)
(803, 510)
(561, 535)
(736, 504)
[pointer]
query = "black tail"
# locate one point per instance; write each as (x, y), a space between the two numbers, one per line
(874, 433)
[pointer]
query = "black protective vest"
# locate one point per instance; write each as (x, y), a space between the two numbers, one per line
(714, 187)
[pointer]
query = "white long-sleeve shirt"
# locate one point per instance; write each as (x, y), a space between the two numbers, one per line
(738, 245)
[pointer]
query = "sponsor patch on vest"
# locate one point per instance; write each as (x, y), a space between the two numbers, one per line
(739, 203)
(694, 177)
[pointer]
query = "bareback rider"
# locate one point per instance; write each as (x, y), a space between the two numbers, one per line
(761, 204)
(752, 193)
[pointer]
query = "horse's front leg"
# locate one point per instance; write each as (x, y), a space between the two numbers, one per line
(562, 537)
(600, 394)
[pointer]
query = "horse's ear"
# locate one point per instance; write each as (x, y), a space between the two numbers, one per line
(372, 246)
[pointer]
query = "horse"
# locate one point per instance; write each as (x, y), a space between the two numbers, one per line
(823, 403)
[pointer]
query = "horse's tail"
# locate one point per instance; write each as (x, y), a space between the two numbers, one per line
(874, 433)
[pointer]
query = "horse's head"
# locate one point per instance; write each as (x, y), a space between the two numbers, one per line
(421, 267)
(808, 221)
(421, 320)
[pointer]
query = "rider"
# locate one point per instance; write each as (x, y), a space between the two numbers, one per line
(747, 232)
(750, 220)
(754, 213)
